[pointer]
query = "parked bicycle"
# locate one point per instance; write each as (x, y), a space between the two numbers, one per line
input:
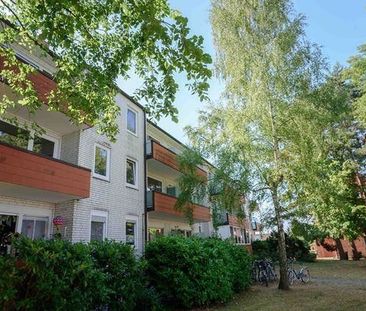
(302, 274)
(263, 271)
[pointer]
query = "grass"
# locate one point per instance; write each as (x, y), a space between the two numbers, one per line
(335, 285)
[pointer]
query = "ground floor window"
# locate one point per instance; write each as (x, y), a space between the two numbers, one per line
(155, 232)
(34, 227)
(239, 235)
(181, 232)
(7, 227)
(131, 230)
(98, 226)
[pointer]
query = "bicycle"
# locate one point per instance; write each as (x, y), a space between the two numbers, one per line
(263, 271)
(303, 274)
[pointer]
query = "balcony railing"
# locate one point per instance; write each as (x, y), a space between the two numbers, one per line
(165, 203)
(158, 152)
(29, 175)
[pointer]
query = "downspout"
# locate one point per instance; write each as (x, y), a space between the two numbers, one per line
(145, 184)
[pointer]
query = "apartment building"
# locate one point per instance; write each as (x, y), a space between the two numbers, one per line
(72, 180)
(240, 230)
(162, 188)
(96, 186)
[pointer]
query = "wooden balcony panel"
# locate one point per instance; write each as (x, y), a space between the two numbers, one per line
(165, 203)
(31, 170)
(168, 157)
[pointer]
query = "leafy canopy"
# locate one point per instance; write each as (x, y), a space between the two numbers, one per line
(92, 43)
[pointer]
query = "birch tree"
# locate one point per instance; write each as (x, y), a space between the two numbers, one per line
(269, 115)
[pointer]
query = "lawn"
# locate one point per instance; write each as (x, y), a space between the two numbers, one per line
(335, 285)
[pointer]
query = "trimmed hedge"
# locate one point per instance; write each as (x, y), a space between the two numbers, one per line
(176, 271)
(59, 275)
(189, 272)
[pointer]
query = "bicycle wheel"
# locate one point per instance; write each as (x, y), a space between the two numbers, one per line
(291, 276)
(263, 278)
(305, 275)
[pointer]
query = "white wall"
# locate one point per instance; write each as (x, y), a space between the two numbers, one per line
(113, 196)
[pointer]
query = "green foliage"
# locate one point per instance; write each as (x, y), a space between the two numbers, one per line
(192, 186)
(123, 273)
(92, 43)
(59, 275)
(50, 275)
(295, 248)
(189, 272)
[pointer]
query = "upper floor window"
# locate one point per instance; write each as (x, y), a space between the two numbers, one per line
(13, 135)
(101, 162)
(131, 173)
(22, 138)
(131, 121)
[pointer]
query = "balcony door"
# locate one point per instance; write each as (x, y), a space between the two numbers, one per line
(154, 185)
(7, 227)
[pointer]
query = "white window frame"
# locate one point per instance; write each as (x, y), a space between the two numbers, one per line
(134, 186)
(136, 120)
(96, 175)
(99, 213)
(134, 219)
(35, 218)
(53, 138)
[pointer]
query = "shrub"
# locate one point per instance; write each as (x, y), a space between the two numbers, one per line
(50, 275)
(123, 274)
(59, 275)
(193, 271)
(295, 247)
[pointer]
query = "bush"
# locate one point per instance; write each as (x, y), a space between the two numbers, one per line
(123, 274)
(295, 248)
(59, 275)
(193, 271)
(50, 275)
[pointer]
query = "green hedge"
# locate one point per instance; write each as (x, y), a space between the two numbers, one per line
(59, 275)
(295, 248)
(176, 271)
(195, 271)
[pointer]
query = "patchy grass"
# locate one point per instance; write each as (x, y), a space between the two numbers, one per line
(335, 285)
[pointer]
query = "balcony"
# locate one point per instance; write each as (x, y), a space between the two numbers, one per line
(28, 175)
(163, 155)
(164, 204)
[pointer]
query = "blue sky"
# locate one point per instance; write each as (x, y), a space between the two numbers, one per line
(338, 26)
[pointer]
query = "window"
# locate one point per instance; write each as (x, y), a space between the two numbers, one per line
(155, 233)
(130, 233)
(98, 226)
(13, 135)
(101, 162)
(131, 121)
(171, 191)
(35, 228)
(131, 176)
(43, 146)
(154, 184)
(131, 230)
(7, 227)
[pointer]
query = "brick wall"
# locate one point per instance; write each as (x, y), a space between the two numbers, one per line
(340, 248)
(113, 196)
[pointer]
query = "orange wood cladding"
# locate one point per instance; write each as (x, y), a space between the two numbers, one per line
(164, 203)
(26, 168)
(169, 158)
(43, 85)
(236, 222)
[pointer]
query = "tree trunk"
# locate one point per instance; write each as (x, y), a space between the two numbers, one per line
(281, 243)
